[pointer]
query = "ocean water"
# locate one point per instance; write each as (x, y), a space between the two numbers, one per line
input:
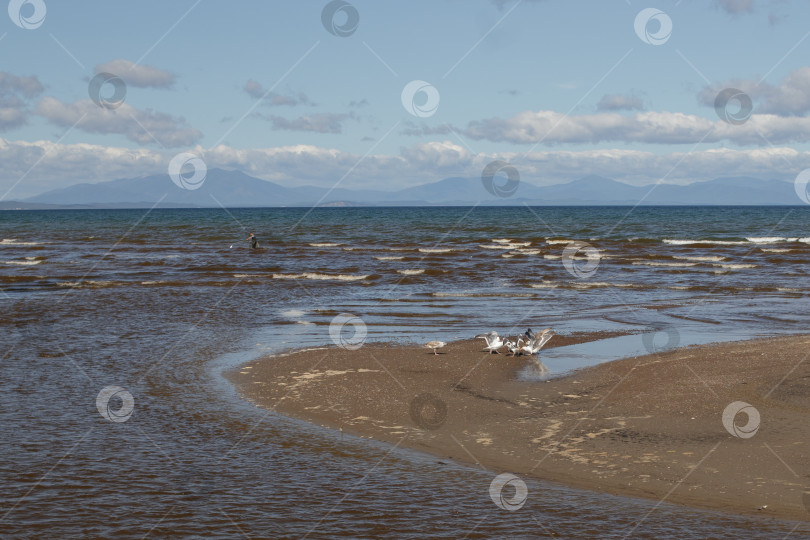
(160, 302)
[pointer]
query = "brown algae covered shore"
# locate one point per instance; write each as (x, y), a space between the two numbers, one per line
(721, 426)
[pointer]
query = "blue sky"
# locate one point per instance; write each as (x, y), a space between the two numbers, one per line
(560, 89)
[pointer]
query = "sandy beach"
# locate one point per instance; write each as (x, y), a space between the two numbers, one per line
(649, 427)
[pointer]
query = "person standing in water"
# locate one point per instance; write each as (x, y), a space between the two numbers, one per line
(254, 242)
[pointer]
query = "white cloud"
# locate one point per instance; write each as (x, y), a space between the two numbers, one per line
(317, 123)
(620, 102)
(15, 93)
(256, 90)
(141, 126)
(735, 7)
(553, 128)
(55, 165)
(791, 97)
(137, 75)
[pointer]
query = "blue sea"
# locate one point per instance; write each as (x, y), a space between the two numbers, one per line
(157, 303)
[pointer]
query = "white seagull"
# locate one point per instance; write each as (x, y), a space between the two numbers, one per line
(514, 347)
(435, 345)
(494, 341)
(540, 339)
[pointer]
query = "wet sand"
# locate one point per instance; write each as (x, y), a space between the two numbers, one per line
(649, 426)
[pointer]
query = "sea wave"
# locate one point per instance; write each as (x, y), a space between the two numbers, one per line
(735, 266)
(482, 295)
(24, 263)
(776, 239)
(436, 250)
(389, 258)
(552, 242)
(667, 264)
(412, 271)
(686, 242)
(15, 242)
(322, 277)
(325, 244)
(89, 284)
(714, 258)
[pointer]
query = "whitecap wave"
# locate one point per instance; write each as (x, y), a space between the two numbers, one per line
(686, 242)
(735, 266)
(713, 258)
(666, 264)
(322, 277)
(15, 242)
(435, 250)
(552, 242)
(389, 258)
(412, 271)
(325, 244)
(23, 263)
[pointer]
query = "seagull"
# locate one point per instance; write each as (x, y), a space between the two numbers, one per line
(534, 346)
(494, 341)
(514, 347)
(435, 345)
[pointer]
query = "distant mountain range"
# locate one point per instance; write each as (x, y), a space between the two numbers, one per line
(237, 189)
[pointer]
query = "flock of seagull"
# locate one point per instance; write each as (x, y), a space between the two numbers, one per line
(528, 343)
